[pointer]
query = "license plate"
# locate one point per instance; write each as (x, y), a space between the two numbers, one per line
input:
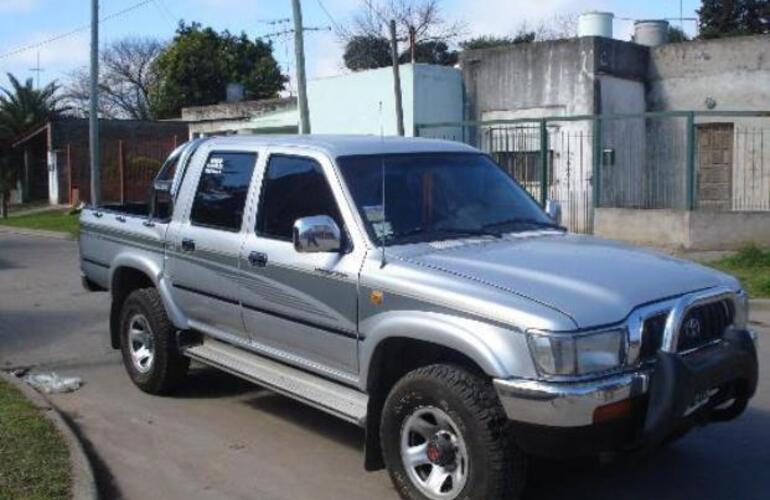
(699, 400)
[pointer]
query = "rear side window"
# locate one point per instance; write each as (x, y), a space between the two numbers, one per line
(222, 189)
(294, 187)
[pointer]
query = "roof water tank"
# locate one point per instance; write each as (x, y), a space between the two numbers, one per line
(595, 24)
(651, 33)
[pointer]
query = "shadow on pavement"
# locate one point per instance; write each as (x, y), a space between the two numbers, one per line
(105, 481)
(309, 418)
(204, 382)
(721, 461)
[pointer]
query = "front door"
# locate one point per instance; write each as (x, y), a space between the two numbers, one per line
(205, 246)
(302, 307)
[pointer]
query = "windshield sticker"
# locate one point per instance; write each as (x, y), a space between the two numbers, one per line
(374, 213)
(383, 230)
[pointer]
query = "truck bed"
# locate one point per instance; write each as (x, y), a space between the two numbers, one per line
(112, 230)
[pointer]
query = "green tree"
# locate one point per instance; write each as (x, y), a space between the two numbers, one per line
(487, 41)
(22, 107)
(676, 35)
(432, 52)
(367, 36)
(723, 18)
(196, 67)
(367, 52)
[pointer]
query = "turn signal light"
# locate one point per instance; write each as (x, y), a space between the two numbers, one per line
(613, 411)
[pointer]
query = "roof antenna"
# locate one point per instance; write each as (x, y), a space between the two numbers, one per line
(382, 169)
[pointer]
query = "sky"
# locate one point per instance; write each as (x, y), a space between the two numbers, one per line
(28, 22)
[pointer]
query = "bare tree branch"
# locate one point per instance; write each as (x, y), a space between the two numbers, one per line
(422, 16)
(126, 76)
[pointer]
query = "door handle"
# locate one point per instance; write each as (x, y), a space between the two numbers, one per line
(258, 259)
(188, 245)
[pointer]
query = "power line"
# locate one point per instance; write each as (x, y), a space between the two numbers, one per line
(75, 31)
(336, 25)
(165, 12)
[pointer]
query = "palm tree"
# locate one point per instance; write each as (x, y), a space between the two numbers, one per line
(22, 106)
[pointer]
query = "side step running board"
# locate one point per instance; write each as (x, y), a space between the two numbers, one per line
(337, 399)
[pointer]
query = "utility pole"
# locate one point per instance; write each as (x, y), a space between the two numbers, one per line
(299, 50)
(396, 78)
(93, 116)
(413, 44)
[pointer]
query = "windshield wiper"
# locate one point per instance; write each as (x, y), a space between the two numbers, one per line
(525, 220)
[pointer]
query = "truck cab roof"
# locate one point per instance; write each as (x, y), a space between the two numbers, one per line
(346, 145)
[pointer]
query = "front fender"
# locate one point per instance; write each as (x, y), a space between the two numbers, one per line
(152, 268)
(499, 351)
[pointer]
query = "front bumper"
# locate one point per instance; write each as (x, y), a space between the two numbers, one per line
(664, 396)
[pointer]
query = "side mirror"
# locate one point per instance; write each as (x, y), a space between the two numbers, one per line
(316, 234)
(553, 209)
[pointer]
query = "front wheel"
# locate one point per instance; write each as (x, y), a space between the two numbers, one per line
(148, 343)
(444, 436)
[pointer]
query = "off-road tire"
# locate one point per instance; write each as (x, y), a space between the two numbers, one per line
(497, 468)
(169, 367)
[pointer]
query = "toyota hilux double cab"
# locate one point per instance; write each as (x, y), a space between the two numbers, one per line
(413, 288)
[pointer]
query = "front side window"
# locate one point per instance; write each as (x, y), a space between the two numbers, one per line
(222, 189)
(434, 196)
(294, 187)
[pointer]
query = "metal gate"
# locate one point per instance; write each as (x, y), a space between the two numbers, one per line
(678, 160)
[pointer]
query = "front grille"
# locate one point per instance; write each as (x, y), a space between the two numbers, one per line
(703, 324)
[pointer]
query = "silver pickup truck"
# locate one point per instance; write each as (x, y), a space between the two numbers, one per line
(413, 288)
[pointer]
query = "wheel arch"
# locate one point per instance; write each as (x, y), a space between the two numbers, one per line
(129, 273)
(413, 340)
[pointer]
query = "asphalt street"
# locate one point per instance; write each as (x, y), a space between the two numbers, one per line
(220, 437)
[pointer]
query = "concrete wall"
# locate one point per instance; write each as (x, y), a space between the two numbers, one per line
(350, 104)
(681, 229)
(535, 80)
(735, 72)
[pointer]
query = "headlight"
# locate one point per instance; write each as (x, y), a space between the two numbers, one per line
(564, 354)
(741, 320)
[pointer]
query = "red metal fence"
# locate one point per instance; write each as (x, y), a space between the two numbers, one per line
(128, 169)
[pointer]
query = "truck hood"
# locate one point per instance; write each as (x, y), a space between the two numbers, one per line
(595, 282)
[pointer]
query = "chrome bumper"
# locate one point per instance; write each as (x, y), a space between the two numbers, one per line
(570, 404)
(566, 404)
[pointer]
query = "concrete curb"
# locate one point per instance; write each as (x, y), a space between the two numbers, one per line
(35, 232)
(762, 305)
(83, 480)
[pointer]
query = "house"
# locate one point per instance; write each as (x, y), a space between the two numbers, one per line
(355, 103)
(633, 134)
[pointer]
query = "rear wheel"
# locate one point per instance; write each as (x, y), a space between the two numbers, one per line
(445, 435)
(148, 344)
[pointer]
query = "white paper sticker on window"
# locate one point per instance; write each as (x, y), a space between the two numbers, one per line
(214, 166)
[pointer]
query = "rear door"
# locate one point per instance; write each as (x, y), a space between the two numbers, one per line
(205, 242)
(300, 306)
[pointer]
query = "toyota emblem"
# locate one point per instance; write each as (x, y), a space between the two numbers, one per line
(692, 328)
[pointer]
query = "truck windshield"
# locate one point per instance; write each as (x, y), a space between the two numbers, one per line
(437, 196)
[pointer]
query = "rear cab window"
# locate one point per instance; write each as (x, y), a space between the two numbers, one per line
(222, 190)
